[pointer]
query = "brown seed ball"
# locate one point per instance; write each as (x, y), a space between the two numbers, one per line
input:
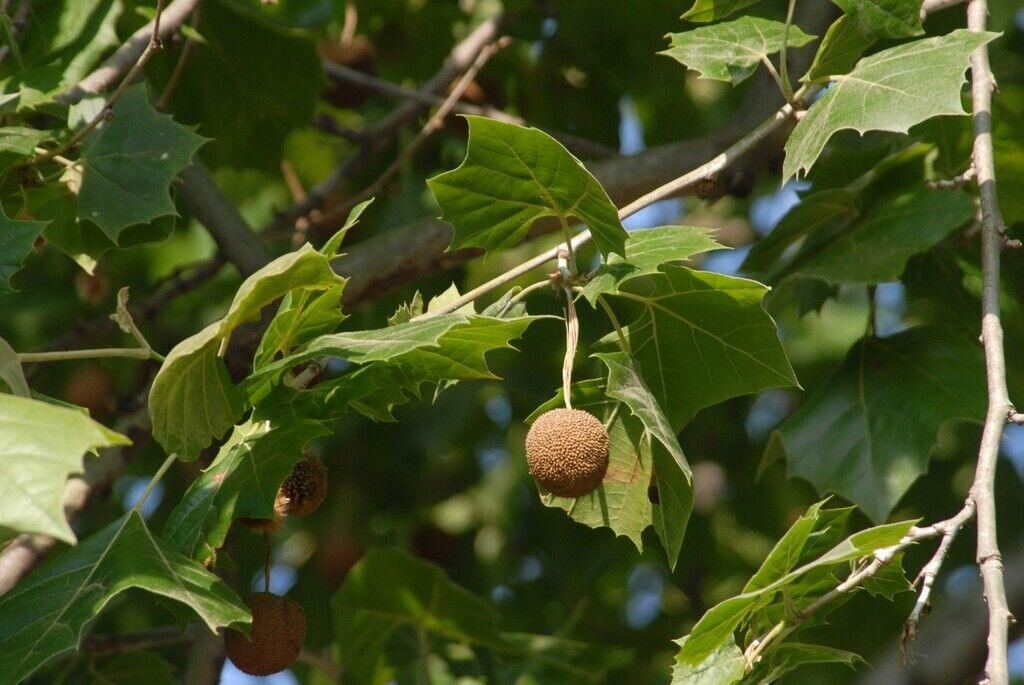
(276, 637)
(567, 451)
(304, 491)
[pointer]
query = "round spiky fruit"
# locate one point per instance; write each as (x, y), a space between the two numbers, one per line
(304, 490)
(275, 639)
(567, 451)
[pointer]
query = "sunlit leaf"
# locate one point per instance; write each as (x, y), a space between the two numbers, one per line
(840, 49)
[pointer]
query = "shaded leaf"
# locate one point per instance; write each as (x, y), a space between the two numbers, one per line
(789, 656)
(128, 165)
(132, 668)
(514, 175)
(704, 11)
(41, 445)
(17, 143)
(390, 589)
(241, 482)
(884, 18)
(889, 91)
(16, 241)
(731, 51)
(44, 615)
(866, 433)
(11, 372)
(840, 49)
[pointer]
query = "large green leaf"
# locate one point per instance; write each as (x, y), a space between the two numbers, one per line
(671, 472)
(840, 49)
(40, 446)
(700, 338)
(866, 433)
(716, 627)
(241, 482)
(16, 241)
(18, 142)
(192, 400)
(731, 51)
(512, 176)
(836, 242)
(128, 165)
(646, 250)
(889, 91)
(884, 18)
(389, 590)
(247, 86)
(790, 656)
(71, 36)
(45, 613)
(396, 360)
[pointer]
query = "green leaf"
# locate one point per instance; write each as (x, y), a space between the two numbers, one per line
(731, 51)
(671, 471)
(883, 239)
(514, 175)
(44, 615)
(250, 64)
(299, 320)
(390, 589)
(42, 445)
(839, 51)
(128, 165)
(889, 581)
(192, 400)
(718, 624)
(724, 666)
(132, 668)
(543, 655)
(18, 142)
(16, 241)
(11, 372)
(646, 250)
(889, 91)
(867, 431)
(332, 247)
(72, 36)
(884, 18)
(700, 338)
(789, 656)
(704, 11)
(241, 482)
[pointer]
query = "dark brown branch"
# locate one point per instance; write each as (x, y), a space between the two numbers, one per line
(339, 72)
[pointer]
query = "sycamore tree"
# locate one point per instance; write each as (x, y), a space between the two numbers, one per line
(500, 341)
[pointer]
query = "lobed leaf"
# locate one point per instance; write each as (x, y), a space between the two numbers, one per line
(731, 51)
(514, 175)
(889, 91)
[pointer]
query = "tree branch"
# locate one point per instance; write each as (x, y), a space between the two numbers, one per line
(990, 561)
(339, 72)
(460, 59)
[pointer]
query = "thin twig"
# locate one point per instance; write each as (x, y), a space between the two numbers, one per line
(787, 87)
(990, 561)
(179, 67)
(340, 72)
(958, 181)
(103, 352)
(130, 642)
(434, 124)
(926, 577)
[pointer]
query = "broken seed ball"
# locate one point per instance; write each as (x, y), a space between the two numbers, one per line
(275, 639)
(567, 452)
(304, 490)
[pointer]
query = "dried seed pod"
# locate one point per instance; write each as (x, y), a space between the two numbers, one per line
(275, 639)
(304, 490)
(567, 451)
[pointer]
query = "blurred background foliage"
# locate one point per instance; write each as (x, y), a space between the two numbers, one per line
(447, 481)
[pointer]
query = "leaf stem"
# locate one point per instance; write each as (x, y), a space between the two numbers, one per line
(130, 352)
(787, 88)
(153, 481)
(623, 341)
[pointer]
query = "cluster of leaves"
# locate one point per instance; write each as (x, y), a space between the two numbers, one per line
(679, 340)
